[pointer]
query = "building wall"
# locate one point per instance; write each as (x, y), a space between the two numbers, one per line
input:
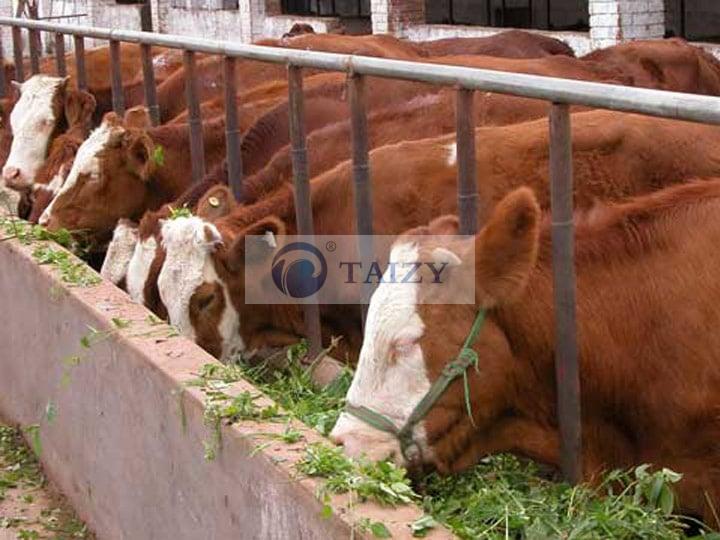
(611, 21)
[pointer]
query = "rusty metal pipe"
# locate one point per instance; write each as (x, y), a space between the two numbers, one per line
(197, 149)
(118, 100)
(18, 54)
(33, 42)
(232, 130)
(149, 87)
(563, 245)
(361, 177)
(81, 74)
(303, 207)
(60, 55)
(466, 161)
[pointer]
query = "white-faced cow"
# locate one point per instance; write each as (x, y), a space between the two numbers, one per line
(647, 307)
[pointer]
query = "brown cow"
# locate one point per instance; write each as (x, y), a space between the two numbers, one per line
(135, 254)
(647, 298)
(510, 44)
(670, 64)
(38, 115)
(251, 73)
(615, 156)
(51, 176)
(95, 207)
(121, 172)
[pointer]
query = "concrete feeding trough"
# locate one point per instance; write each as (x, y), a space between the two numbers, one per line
(121, 433)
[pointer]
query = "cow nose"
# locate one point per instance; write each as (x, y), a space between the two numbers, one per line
(10, 175)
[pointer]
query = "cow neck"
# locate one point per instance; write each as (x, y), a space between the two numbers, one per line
(170, 180)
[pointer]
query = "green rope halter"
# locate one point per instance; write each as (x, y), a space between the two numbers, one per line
(466, 357)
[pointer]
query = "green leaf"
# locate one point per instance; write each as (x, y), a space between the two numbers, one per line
(158, 155)
(666, 500)
(379, 530)
(326, 512)
(420, 527)
(120, 323)
(50, 412)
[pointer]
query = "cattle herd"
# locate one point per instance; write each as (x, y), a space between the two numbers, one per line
(647, 192)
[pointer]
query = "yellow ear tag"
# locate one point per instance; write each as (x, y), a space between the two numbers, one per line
(214, 202)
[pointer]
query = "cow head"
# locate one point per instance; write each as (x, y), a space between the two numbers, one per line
(194, 286)
(407, 344)
(201, 282)
(109, 179)
(45, 107)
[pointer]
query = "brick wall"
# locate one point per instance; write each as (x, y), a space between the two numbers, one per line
(396, 16)
(612, 21)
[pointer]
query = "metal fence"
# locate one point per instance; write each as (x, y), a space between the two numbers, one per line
(560, 92)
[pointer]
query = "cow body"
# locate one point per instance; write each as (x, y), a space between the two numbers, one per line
(510, 44)
(647, 300)
(615, 156)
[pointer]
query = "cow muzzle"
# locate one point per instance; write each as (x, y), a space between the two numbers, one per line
(15, 179)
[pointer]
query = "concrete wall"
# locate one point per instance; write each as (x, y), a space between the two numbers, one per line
(126, 442)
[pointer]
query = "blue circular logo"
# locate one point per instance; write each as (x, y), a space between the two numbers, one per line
(299, 270)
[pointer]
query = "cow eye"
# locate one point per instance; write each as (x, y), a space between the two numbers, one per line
(205, 302)
(403, 347)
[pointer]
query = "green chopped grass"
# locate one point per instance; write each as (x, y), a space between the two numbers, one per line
(501, 497)
(71, 270)
(22, 478)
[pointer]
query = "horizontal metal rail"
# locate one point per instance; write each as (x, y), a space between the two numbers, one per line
(673, 105)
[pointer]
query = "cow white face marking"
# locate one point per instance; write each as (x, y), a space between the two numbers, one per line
(452, 154)
(390, 378)
(119, 252)
(32, 122)
(139, 267)
(189, 244)
(86, 162)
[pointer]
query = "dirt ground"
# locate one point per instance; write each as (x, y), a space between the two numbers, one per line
(30, 506)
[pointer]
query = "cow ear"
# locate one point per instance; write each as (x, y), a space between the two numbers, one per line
(217, 202)
(137, 117)
(112, 119)
(79, 107)
(268, 229)
(506, 248)
(140, 151)
(445, 225)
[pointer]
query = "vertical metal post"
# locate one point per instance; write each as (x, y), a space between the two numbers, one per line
(232, 130)
(3, 82)
(18, 53)
(466, 160)
(563, 246)
(151, 101)
(118, 100)
(60, 55)
(33, 40)
(361, 176)
(80, 73)
(197, 151)
(303, 208)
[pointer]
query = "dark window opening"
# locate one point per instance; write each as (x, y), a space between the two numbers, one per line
(327, 8)
(695, 20)
(539, 14)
